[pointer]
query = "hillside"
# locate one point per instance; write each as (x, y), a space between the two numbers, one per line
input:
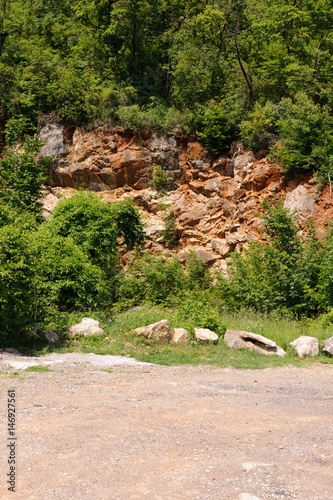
(216, 201)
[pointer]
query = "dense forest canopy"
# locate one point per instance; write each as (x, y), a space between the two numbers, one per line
(255, 70)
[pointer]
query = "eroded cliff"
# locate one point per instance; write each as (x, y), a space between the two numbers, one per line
(215, 201)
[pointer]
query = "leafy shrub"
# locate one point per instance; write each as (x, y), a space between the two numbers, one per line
(157, 280)
(168, 233)
(279, 275)
(22, 175)
(17, 301)
(260, 127)
(219, 125)
(128, 223)
(198, 274)
(301, 129)
(15, 127)
(65, 278)
(160, 181)
(197, 310)
(95, 226)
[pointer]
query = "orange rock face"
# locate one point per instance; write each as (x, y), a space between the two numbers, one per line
(216, 202)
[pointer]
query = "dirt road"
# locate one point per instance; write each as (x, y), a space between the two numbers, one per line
(160, 433)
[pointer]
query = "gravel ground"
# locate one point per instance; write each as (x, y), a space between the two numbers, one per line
(106, 427)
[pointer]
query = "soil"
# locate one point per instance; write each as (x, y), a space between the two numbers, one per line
(104, 427)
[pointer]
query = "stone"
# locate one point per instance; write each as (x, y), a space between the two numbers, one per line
(158, 330)
(300, 200)
(50, 201)
(180, 335)
(305, 346)
(205, 335)
(240, 339)
(205, 257)
(51, 336)
(87, 327)
(33, 329)
(328, 346)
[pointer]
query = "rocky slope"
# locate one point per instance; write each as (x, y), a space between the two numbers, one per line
(216, 201)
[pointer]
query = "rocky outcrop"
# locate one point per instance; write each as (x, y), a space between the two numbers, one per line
(253, 342)
(305, 346)
(87, 327)
(158, 330)
(216, 201)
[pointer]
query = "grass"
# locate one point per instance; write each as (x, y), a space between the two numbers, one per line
(38, 368)
(120, 340)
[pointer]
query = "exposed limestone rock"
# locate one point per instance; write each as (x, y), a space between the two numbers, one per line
(87, 327)
(305, 346)
(53, 135)
(50, 201)
(205, 257)
(242, 166)
(158, 330)
(180, 335)
(51, 336)
(216, 202)
(205, 335)
(328, 346)
(253, 342)
(301, 200)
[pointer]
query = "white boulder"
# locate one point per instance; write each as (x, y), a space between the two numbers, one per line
(205, 335)
(87, 327)
(305, 346)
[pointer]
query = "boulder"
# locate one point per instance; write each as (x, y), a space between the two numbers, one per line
(87, 327)
(253, 342)
(180, 335)
(328, 346)
(158, 330)
(205, 335)
(301, 200)
(33, 329)
(305, 346)
(205, 257)
(51, 336)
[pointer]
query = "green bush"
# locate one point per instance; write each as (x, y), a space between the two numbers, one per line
(96, 226)
(17, 272)
(160, 181)
(153, 279)
(282, 274)
(22, 175)
(169, 237)
(64, 277)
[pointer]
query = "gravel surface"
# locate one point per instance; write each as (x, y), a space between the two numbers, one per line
(105, 427)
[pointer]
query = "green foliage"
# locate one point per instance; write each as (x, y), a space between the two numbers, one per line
(16, 280)
(219, 125)
(168, 232)
(157, 280)
(64, 276)
(128, 223)
(198, 273)
(15, 127)
(21, 176)
(95, 226)
(160, 181)
(283, 274)
(259, 70)
(302, 129)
